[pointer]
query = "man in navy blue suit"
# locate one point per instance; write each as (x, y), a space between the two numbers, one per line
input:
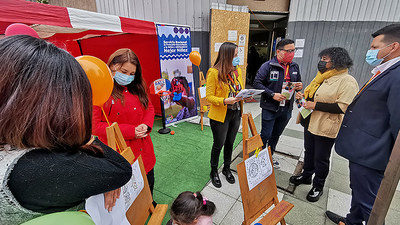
(371, 125)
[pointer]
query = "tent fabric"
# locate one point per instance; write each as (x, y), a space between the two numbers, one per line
(83, 32)
(20, 11)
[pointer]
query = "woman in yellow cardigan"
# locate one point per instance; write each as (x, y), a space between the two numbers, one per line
(224, 81)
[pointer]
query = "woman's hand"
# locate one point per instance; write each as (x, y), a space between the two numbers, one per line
(309, 105)
(231, 100)
(299, 95)
(110, 198)
(141, 131)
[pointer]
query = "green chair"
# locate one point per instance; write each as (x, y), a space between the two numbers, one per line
(62, 218)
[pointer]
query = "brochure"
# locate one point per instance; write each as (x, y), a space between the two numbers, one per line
(246, 93)
(288, 91)
(300, 106)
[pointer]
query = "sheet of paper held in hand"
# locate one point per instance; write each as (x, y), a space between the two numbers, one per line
(258, 168)
(246, 93)
(95, 204)
(288, 91)
(303, 111)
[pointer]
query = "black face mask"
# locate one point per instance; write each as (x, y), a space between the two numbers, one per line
(322, 66)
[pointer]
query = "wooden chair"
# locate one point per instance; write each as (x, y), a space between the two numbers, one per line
(264, 195)
(142, 207)
(204, 105)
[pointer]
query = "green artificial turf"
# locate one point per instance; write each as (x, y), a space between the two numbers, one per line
(183, 160)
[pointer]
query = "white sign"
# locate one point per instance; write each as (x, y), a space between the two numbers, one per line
(232, 35)
(298, 53)
(242, 40)
(258, 168)
(197, 49)
(241, 55)
(95, 204)
(217, 46)
(299, 43)
(203, 92)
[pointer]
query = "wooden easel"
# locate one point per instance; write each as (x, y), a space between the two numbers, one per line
(388, 187)
(142, 207)
(264, 195)
(203, 101)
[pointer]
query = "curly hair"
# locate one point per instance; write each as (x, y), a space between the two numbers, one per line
(340, 58)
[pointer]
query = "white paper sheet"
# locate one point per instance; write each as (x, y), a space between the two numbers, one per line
(217, 46)
(242, 40)
(258, 168)
(245, 93)
(203, 92)
(232, 35)
(298, 53)
(241, 55)
(132, 189)
(95, 208)
(95, 204)
(299, 43)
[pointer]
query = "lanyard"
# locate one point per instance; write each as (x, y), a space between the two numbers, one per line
(369, 81)
(287, 77)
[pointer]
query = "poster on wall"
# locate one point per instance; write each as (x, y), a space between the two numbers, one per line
(174, 47)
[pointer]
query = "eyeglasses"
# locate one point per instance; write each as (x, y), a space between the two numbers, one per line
(289, 50)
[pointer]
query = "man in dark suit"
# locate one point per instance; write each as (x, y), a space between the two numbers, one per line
(371, 125)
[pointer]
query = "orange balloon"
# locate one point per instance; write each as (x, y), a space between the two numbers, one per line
(195, 58)
(99, 76)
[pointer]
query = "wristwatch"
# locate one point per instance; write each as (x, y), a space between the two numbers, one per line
(272, 95)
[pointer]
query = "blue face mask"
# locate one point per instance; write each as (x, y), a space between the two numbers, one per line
(123, 79)
(372, 56)
(236, 61)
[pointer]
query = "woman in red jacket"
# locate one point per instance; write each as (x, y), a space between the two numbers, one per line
(130, 107)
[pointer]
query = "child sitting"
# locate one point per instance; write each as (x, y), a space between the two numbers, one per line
(191, 209)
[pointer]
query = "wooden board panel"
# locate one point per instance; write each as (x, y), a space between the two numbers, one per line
(221, 22)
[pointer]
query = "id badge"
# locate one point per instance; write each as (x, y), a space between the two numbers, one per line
(274, 75)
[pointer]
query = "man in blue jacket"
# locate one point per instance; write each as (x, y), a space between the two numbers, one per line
(276, 109)
(371, 125)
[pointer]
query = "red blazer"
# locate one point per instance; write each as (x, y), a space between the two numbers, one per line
(128, 116)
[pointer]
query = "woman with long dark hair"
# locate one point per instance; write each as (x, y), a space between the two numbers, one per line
(130, 107)
(48, 162)
(224, 81)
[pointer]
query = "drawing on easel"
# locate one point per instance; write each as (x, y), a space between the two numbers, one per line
(258, 168)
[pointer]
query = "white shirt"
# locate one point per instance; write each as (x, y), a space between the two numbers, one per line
(385, 66)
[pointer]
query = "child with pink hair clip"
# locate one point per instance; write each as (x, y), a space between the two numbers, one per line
(191, 209)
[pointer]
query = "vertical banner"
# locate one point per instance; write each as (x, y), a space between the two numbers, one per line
(174, 47)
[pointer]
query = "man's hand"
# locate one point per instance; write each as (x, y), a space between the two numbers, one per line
(309, 105)
(141, 131)
(298, 86)
(279, 97)
(110, 198)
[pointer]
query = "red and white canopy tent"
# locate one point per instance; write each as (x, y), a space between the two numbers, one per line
(83, 32)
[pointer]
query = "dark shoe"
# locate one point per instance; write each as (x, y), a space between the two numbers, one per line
(228, 174)
(314, 194)
(335, 217)
(215, 179)
(296, 180)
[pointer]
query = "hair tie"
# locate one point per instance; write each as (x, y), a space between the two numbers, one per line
(204, 200)
(194, 194)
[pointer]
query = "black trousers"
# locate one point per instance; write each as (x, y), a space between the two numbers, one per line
(224, 135)
(316, 157)
(150, 179)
